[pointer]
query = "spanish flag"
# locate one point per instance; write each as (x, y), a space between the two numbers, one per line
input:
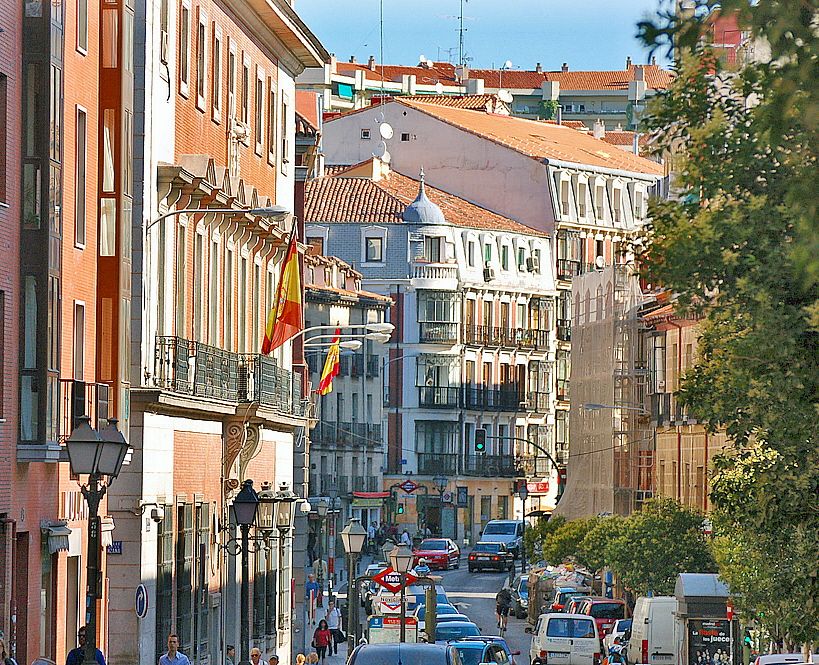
(331, 367)
(285, 318)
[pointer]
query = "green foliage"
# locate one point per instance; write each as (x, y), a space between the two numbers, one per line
(741, 247)
(547, 109)
(536, 534)
(591, 551)
(564, 542)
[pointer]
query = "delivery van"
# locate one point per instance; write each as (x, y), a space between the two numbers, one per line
(565, 639)
(653, 639)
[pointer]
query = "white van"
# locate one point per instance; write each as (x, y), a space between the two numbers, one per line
(565, 639)
(653, 638)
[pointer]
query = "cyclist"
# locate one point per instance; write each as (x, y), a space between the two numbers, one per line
(503, 604)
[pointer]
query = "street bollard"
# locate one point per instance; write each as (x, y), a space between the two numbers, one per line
(431, 613)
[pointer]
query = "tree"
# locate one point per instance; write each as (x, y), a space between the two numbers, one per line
(741, 247)
(592, 550)
(564, 542)
(535, 535)
(656, 544)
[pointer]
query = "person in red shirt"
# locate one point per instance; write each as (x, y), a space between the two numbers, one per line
(321, 639)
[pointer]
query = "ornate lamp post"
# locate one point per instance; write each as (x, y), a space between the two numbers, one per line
(95, 455)
(353, 536)
(401, 562)
(245, 507)
(523, 493)
(322, 513)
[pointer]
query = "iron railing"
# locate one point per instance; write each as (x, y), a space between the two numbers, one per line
(346, 434)
(438, 332)
(505, 399)
(439, 396)
(524, 338)
(193, 368)
(563, 389)
(482, 466)
(537, 401)
(564, 330)
(364, 484)
(437, 463)
(567, 268)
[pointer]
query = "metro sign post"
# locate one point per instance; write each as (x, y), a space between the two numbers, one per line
(391, 580)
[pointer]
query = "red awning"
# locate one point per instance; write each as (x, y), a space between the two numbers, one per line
(371, 495)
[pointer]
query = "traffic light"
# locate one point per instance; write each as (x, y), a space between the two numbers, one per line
(400, 510)
(561, 481)
(480, 440)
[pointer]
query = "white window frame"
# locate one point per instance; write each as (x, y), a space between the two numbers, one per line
(232, 79)
(217, 67)
(368, 232)
(272, 108)
(80, 197)
(78, 347)
(82, 48)
(259, 111)
(185, 49)
(201, 60)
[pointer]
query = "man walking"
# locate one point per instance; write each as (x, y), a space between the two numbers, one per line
(311, 595)
(230, 655)
(173, 656)
(333, 619)
(77, 656)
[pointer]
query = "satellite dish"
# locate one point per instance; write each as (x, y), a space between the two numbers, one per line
(385, 129)
(507, 64)
(379, 117)
(386, 157)
(380, 150)
(599, 262)
(422, 58)
(439, 88)
(505, 96)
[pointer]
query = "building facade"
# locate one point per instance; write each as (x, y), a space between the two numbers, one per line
(215, 136)
(473, 303)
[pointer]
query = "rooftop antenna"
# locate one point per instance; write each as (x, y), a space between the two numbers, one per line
(461, 31)
(381, 51)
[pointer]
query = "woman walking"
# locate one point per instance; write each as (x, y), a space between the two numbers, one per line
(322, 639)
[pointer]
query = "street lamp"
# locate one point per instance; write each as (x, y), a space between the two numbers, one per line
(321, 509)
(95, 455)
(353, 537)
(245, 507)
(401, 562)
(523, 493)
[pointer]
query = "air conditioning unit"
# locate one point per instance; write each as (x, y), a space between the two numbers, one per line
(533, 264)
(163, 47)
(488, 274)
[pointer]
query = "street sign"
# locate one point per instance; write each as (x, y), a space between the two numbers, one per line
(389, 603)
(447, 497)
(391, 580)
(141, 601)
(538, 488)
(387, 630)
(408, 486)
(463, 496)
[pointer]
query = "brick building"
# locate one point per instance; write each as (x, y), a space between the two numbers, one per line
(215, 134)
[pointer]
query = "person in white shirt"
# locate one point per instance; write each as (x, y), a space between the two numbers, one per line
(405, 539)
(333, 619)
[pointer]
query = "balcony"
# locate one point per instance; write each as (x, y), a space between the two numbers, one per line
(515, 338)
(438, 463)
(438, 397)
(434, 271)
(534, 339)
(78, 399)
(191, 368)
(365, 484)
(438, 332)
(537, 401)
(564, 330)
(563, 390)
(483, 399)
(481, 466)
(567, 268)
(340, 434)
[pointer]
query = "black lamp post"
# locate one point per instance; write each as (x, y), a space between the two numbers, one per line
(245, 507)
(401, 562)
(353, 536)
(95, 455)
(322, 513)
(523, 493)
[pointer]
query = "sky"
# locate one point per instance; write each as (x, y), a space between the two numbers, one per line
(586, 34)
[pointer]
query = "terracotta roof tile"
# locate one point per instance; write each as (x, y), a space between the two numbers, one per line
(307, 108)
(624, 138)
(340, 199)
(540, 140)
(471, 102)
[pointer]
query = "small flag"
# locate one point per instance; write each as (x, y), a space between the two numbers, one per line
(285, 318)
(331, 367)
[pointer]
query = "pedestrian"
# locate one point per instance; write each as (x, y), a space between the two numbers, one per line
(333, 619)
(405, 538)
(371, 532)
(273, 660)
(313, 658)
(255, 655)
(322, 639)
(5, 659)
(77, 656)
(230, 655)
(311, 595)
(311, 546)
(301, 659)
(173, 656)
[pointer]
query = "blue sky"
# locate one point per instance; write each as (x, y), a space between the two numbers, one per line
(586, 34)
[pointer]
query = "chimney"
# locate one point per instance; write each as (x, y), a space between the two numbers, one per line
(599, 129)
(371, 63)
(565, 67)
(628, 62)
(654, 60)
(352, 59)
(539, 68)
(639, 73)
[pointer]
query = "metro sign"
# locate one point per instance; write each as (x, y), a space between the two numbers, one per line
(408, 486)
(538, 488)
(391, 580)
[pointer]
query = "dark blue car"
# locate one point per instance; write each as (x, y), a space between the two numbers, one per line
(484, 649)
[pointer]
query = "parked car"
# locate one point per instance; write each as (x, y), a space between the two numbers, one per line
(520, 595)
(653, 638)
(490, 555)
(621, 630)
(439, 553)
(784, 659)
(564, 639)
(575, 603)
(565, 594)
(508, 532)
(605, 612)
(455, 630)
(476, 650)
(417, 595)
(441, 610)
(405, 654)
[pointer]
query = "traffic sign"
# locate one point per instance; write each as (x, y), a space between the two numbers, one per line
(391, 580)
(409, 486)
(389, 603)
(141, 601)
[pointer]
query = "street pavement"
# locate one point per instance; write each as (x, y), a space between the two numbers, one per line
(474, 595)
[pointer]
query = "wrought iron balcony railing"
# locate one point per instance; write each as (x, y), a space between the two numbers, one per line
(438, 332)
(537, 401)
(503, 399)
(567, 268)
(339, 434)
(439, 396)
(482, 466)
(564, 330)
(524, 338)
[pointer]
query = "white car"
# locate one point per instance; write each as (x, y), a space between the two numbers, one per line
(618, 631)
(784, 659)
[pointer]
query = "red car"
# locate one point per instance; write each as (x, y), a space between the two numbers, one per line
(440, 553)
(605, 612)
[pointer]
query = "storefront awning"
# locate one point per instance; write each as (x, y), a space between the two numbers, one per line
(371, 495)
(106, 530)
(56, 532)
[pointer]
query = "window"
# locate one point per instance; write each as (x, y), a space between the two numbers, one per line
(285, 156)
(164, 20)
(599, 250)
(258, 112)
(599, 201)
(365, 134)
(374, 250)
(3, 135)
(487, 253)
(184, 575)
(213, 292)
(438, 316)
(316, 245)
(470, 253)
(405, 137)
(242, 305)
(184, 48)
(82, 26)
(256, 305)
(80, 193)
(639, 202)
(505, 257)
(198, 286)
(232, 81)
(79, 341)
(582, 193)
(201, 62)
(128, 158)
(432, 248)
(564, 197)
(2, 352)
(271, 122)
(245, 90)
(217, 74)
(164, 577)
(228, 299)
(615, 204)
(181, 279)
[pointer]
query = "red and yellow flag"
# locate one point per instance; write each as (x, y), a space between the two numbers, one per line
(285, 318)
(331, 366)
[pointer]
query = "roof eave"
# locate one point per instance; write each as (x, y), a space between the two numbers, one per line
(559, 163)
